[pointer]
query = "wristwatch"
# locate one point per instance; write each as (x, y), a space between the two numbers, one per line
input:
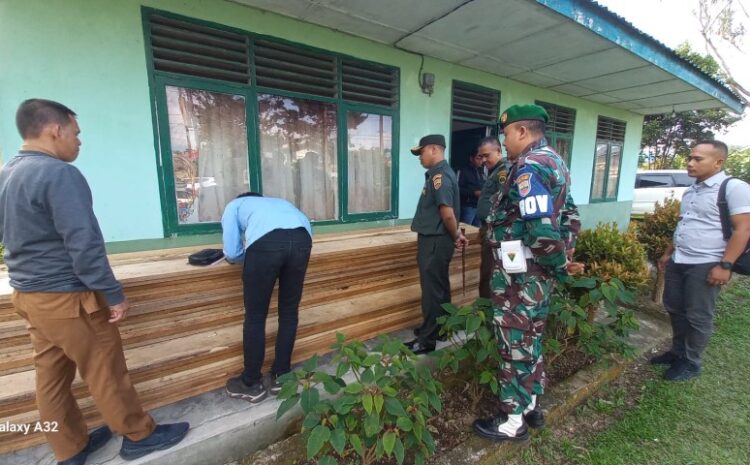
(726, 265)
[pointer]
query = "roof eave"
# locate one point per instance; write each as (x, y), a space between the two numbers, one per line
(607, 24)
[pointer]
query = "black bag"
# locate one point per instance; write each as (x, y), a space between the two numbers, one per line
(742, 264)
(205, 257)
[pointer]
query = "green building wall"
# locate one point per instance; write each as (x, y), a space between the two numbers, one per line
(91, 56)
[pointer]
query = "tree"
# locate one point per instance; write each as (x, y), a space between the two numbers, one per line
(667, 138)
(722, 23)
(738, 163)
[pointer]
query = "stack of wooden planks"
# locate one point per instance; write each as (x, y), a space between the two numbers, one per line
(184, 333)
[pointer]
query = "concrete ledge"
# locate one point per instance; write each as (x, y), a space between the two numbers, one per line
(225, 430)
(558, 402)
(221, 429)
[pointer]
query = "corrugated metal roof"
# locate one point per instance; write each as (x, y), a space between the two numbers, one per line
(576, 47)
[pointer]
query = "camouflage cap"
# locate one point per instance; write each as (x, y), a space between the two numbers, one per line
(523, 113)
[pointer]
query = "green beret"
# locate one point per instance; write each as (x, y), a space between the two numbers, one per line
(523, 113)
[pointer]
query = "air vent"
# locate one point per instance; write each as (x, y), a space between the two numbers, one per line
(561, 119)
(475, 103)
(610, 129)
(367, 83)
(194, 50)
(286, 67)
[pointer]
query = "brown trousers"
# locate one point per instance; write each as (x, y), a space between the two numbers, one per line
(70, 330)
(486, 264)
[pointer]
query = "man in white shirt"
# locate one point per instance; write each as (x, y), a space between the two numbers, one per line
(700, 260)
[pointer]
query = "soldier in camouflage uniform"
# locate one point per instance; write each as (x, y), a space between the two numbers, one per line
(535, 207)
(492, 156)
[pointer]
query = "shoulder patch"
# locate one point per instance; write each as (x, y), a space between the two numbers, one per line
(523, 182)
(437, 181)
(536, 198)
(502, 176)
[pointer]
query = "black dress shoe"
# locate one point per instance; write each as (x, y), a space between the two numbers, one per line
(419, 347)
(487, 428)
(163, 437)
(682, 370)
(97, 439)
(535, 418)
(667, 358)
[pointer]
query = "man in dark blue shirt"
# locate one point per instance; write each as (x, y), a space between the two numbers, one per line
(470, 181)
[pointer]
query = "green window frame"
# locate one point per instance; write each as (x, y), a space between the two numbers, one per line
(560, 129)
(356, 85)
(607, 164)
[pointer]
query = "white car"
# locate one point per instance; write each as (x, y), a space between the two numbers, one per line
(657, 186)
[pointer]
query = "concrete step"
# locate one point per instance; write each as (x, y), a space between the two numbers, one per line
(224, 429)
(221, 429)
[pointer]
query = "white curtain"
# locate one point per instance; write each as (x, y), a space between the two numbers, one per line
(208, 132)
(298, 153)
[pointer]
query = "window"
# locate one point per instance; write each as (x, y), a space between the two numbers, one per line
(298, 153)
(654, 180)
(238, 112)
(683, 180)
(610, 136)
(560, 129)
(369, 161)
(208, 137)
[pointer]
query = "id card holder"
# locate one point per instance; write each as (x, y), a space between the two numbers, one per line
(513, 257)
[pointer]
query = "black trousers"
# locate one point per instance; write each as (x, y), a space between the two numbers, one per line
(434, 254)
(690, 302)
(281, 254)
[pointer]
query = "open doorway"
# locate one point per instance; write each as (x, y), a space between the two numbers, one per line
(464, 140)
(474, 113)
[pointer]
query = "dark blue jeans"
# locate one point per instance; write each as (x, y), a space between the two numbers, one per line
(281, 254)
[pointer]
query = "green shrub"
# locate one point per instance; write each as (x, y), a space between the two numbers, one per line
(474, 350)
(609, 253)
(615, 269)
(384, 412)
(2, 253)
(656, 229)
(571, 318)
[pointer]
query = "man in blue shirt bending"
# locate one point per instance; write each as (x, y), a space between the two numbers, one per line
(274, 239)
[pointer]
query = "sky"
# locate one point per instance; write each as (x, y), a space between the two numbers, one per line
(673, 22)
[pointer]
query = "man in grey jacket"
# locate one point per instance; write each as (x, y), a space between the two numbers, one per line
(64, 288)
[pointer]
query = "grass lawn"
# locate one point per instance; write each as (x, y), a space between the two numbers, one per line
(651, 421)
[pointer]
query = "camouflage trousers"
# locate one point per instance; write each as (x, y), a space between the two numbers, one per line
(520, 303)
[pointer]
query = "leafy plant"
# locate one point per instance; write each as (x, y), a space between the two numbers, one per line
(655, 233)
(474, 350)
(656, 229)
(383, 412)
(570, 322)
(609, 253)
(615, 269)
